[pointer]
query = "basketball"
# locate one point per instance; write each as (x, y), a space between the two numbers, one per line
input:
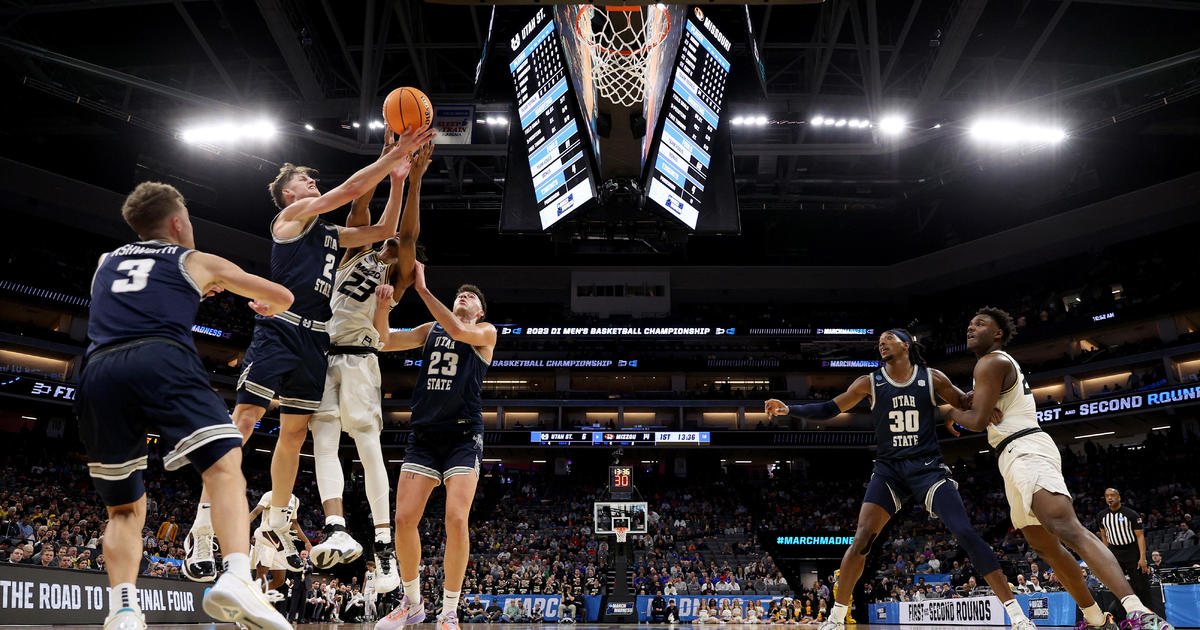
(407, 107)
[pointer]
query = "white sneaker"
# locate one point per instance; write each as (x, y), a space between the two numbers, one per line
(1024, 624)
(199, 564)
(285, 544)
(274, 596)
(125, 619)
(830, 624)
(235, 600)
(337, 546)
(387, 577)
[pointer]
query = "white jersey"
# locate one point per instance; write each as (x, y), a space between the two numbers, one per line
(369, 584)
(353, 303)
(1017, 405)
(265, 504)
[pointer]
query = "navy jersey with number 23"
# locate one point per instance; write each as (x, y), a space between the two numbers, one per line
(905, 415)
(448, 394)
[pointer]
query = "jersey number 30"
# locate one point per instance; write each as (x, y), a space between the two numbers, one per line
(904, 421)
(138, 271)
(448, 361)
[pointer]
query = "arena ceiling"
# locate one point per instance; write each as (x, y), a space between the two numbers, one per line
(98, 91)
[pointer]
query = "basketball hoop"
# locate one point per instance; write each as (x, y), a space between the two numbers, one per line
(620, 40)
(621, 532)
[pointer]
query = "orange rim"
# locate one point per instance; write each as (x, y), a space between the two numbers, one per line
(622, 9)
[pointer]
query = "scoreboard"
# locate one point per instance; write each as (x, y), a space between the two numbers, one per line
(620, 479)
(620, 438)
(562, 180)
(692, 113)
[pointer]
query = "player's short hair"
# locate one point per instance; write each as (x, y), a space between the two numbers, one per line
(286, 173)
(470, 288)
(1005, 321)
(148, 205)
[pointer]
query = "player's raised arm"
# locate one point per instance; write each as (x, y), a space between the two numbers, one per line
(478, 334)
(990, 372)
(386, 226)
(410, 224)
(360, 210)
(358, 184)
(401, 339)
(209, 271)
(858, 390)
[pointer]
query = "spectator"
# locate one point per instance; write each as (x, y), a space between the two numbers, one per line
(658, 609)
(1185, 535)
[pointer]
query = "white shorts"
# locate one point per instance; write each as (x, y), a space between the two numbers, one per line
(1029, 464)
(265, 554)
(352, 395)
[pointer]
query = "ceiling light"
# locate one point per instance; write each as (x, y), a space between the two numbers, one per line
(308, 127)
(891, 125)
(1092, 435)
(737, 120)
(355, 124)
(1166, 426)
(817, 121)
(1013, 132)
(841, 122)
(761, 120)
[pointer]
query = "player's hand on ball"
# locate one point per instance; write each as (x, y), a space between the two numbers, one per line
(775, 407)
(996, 416)
(384, 293)
(264, 309)
(413, 139)
(400, 170)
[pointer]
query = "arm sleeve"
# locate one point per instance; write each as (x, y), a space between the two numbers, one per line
(815, 411)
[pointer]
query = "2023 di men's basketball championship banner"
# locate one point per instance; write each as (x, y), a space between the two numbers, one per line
(32, 595)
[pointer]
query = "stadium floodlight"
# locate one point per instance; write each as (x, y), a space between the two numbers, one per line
(817, 121)
(501, 120)
(737, 120)
(1014, 132)
(1092, 435)
(355, 124)
(228, 132)
(841, 122)
(308, 126)
(760, 120)
(891, 125)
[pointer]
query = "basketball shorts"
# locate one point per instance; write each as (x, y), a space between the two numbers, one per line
(897, 481)
(1029, 464)
(287, 360)
(441, 455)
(352, 398)
(266, 554)
(151, 384)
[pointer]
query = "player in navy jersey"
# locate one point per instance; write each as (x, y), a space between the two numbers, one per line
(908, 466)
(286, 358)
(446, 445)
(142, 373)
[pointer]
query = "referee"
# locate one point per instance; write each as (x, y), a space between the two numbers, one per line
(1121, 530)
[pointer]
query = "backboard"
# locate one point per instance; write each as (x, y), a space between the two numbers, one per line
(631, 514)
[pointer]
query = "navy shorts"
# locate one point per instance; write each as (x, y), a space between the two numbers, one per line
(285, 360)
(898, 481)
(151, 384)
(441, 455)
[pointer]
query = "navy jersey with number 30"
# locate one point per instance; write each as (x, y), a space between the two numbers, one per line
(448, 394)
(143, 290)
(905, 415)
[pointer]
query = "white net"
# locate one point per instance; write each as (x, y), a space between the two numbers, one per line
(621, 533)
(619, 41)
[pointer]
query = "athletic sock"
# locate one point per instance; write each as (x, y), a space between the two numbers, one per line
(412, 590)
(335, 520)
(449, 601)
(1093, 615)
(278, 517)
(203, 516)
(838, 614)
(383, 535)
(239, 565)
(1015, 613)
(123, 595)
(1132, 604)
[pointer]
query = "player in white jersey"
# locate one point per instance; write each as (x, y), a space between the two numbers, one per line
(368, 593)
(351, 401)
(266, 555)
(1038, 498)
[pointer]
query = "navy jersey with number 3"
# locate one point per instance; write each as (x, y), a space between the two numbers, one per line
(448, 394)
(905, 415)
(143, 290)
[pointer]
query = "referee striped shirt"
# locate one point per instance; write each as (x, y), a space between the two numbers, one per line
(1119, 526)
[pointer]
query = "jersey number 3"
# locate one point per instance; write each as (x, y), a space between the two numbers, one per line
(448, 361)
(138, 271)
(904, 421)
